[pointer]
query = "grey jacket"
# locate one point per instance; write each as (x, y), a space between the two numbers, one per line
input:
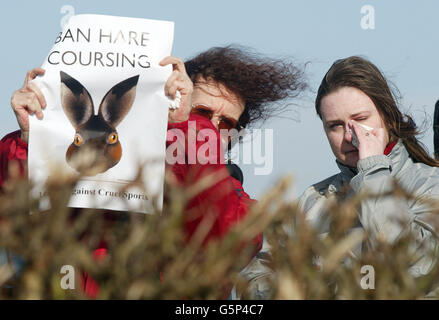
(382, 217)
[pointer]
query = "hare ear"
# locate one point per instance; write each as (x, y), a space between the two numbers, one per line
(75, 100)
(118, 101)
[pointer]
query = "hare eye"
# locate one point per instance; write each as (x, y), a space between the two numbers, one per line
(112, 138)
(77, 140)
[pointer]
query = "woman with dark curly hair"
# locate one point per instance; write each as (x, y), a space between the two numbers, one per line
(223, 88)
(231, 89)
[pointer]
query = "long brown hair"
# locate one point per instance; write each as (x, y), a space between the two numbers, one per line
(360, 73)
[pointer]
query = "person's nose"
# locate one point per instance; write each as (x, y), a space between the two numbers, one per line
(347, 133)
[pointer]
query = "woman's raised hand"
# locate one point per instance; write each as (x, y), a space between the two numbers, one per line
(179, 80)
(28, 100)
(370, 143)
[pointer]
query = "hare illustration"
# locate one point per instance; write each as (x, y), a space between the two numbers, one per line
(96, 146)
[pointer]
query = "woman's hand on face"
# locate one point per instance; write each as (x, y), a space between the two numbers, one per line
(370, 143)
(28, 100)
(179, 80)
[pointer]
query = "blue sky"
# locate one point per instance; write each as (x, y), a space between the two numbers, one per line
(404, 45)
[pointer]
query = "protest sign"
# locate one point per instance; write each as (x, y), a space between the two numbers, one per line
(106, 113)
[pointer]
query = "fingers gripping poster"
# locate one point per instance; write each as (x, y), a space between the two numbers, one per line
(106, 113)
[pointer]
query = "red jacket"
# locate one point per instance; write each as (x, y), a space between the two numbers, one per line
(224, 202)
(12, 149)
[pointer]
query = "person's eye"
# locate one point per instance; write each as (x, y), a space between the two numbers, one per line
(334, 126)
(204, 111)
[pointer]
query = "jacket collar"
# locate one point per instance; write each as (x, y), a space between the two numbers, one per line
(398, 155)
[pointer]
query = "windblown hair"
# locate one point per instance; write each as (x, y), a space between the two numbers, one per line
(259, 81)
(360, 73)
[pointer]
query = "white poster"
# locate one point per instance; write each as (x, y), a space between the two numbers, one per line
(106, 112)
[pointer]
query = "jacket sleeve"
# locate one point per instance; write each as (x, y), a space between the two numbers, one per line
(219, 200)
(379, 215)
(259, 276)
(12, 149)
(388, 216)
